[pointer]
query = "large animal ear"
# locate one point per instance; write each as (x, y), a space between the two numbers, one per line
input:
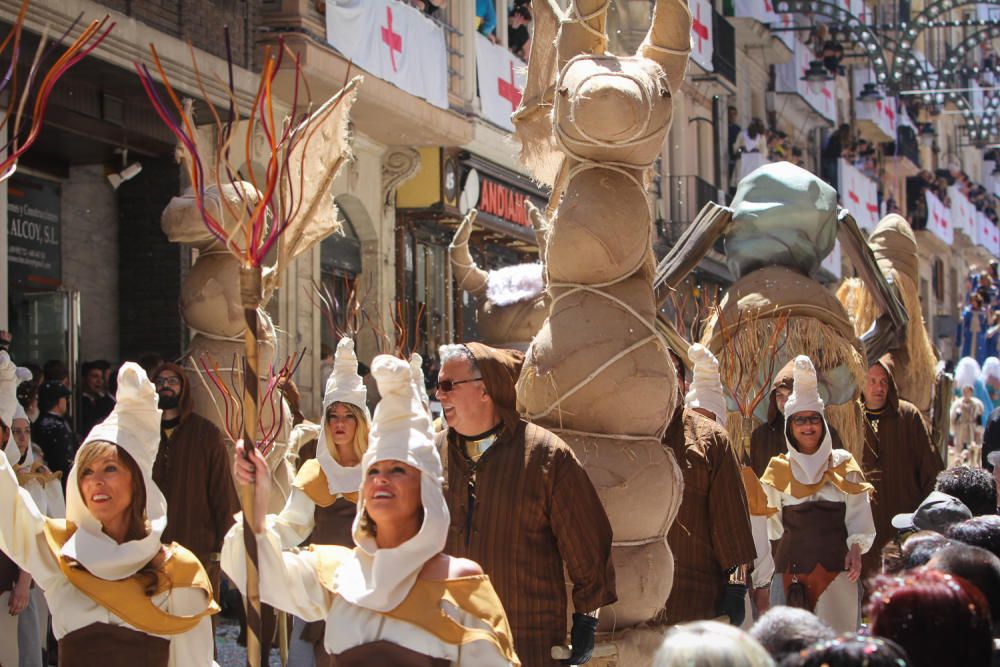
(583, 31)
(468, 275)
(668, 41)
(533, 118)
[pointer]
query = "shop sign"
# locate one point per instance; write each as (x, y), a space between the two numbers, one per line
(33, 232)
(503, 202)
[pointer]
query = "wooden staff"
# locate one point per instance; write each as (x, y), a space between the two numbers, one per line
(251, 297)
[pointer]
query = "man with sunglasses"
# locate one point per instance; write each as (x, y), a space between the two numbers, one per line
(521, 505)
(899, 459)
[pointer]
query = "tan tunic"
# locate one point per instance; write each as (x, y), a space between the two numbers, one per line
(901, 463)
(712, 531)
(533, 509)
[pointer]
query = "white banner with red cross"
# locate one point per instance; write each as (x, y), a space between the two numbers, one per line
(393, 41)
(882, 112)
(987, 234)
(501, 80)
(963, 213)
(859, 195)
(701, 33)
(939, 219)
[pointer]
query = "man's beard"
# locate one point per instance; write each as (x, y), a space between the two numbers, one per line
(168, 401)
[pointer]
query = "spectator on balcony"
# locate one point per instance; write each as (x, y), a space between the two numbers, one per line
(732, 116)
(751, 144)
(834, 149)
(486, 19)
(833, 53)
(429, 7)
(519, 31)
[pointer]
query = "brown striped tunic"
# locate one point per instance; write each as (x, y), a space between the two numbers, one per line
(712, 531)
(532, 509)
(901, 463)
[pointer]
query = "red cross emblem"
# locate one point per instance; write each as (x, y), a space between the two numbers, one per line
(853, 197)
(826, 93)
(393, 40)
(508, 90)
(699, 28)
(768, 7)
(872, 208)
(890, 114)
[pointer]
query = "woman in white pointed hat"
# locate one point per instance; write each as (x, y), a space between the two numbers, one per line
(824, 516)
(118, 596)
(383, 600)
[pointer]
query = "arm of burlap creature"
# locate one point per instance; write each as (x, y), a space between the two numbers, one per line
(697, 239)
(582, 532)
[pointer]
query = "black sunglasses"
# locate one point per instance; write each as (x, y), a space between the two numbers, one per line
(448, 385)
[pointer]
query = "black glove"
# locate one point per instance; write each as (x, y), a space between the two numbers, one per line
(732, 604)
(581, 639)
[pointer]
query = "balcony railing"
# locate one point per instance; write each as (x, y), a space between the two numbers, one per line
(723, 47)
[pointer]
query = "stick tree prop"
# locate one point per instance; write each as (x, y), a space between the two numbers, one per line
(42, 76)
(287, 201)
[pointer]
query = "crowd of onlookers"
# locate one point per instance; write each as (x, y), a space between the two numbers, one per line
(519, 25)
(933, 605)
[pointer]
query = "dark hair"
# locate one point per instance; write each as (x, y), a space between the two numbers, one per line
(979, 531)
(973, 486)
(784, 631)
(974, 564)
(921, 546)
(850, 650)
(938, 619)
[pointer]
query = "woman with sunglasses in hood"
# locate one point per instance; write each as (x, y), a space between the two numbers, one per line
(395, 598)
(118, 596)
(824, 517)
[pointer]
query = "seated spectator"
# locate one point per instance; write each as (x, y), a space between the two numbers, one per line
(710, 644)
(938, 619)
(980, 531)
(973, 486)
(784, 631)
(850, 651)
(977, 566)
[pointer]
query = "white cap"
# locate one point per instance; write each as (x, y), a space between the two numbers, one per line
(807, 468)
(10, 377)
(706, 386)
(991, 368)
(343, 386)
(133, 425)
(380, 579)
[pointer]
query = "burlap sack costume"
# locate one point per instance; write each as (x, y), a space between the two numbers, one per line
(597, 373)
(895, 249)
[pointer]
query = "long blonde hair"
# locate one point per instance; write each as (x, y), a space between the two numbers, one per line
(360, 442)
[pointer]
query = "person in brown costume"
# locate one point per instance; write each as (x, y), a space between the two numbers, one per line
(192, 469)
(711, 536)
(899, 459)
(521, 505)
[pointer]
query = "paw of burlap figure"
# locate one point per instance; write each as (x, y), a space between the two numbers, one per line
(597, 373)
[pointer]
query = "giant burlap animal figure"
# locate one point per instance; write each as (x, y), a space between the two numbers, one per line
(211, 307)
(597, 373)
(784, 221)
(511, 302)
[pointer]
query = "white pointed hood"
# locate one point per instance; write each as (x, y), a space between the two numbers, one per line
(967, 371)
(343, 386)
(380, 579)
(10, 377)
(11, 450)
(706, 386)
(417, 375)
(991, 369)
(133, 425)
(807, 468)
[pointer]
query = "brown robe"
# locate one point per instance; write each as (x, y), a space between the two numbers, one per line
(712, 532)
(534, 508)
(192, 469)
(901, 463)
(335, 522)
(106, 645)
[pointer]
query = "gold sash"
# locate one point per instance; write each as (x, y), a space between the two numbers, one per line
(422, 606)
(36, 473)
(127, 598)
(311, 480)
(756, 498)
(779, 476)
